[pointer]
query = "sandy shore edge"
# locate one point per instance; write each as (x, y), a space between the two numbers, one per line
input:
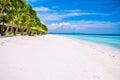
(54, 57)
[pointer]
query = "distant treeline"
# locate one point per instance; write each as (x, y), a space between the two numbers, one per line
(18, 17)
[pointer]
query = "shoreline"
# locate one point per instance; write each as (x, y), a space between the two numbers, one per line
(90, 41)
(52, 57)
(99, 46)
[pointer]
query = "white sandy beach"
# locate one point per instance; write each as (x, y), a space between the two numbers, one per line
(51, 57)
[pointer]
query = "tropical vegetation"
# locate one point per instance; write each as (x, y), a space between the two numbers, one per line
(18, 17)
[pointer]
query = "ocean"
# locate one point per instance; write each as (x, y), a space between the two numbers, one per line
(108, 40)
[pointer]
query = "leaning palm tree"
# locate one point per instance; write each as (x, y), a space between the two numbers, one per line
(17, 15)
(20, 9)
(13, 11)
(4, 19)
(4, 5)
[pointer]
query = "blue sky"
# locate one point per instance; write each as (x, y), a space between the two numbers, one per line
(79, 16)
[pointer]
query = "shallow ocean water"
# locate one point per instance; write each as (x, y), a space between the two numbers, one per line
(109, 40)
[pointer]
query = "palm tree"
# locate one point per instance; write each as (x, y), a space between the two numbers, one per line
(4, 4)
(32, 20)
(17, 14)
(4, 20)
(44, 28)
(20, 9)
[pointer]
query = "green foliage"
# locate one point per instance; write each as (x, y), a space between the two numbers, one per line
(44, 27)
(20, 15)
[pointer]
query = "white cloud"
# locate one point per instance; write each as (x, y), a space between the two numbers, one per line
(58, 16)
(78, 26)
(58, 25)
(48, 14)
(48, 17)
(90, 24)
(41, 8)
(53, 16)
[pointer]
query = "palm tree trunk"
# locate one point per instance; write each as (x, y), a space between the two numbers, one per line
(7, 29)
(29, 32)
(16, 31)
(3, 6)
(11, 31)
(2, 30)
(21, 31)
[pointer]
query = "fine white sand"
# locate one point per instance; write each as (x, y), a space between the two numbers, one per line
(51, 57)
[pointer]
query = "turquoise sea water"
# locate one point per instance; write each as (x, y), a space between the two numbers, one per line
(109, 40)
